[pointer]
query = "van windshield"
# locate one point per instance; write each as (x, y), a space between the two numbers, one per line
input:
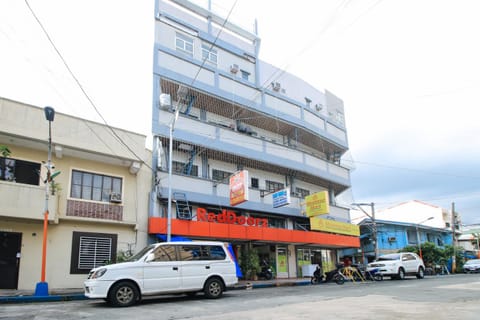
(141, 253)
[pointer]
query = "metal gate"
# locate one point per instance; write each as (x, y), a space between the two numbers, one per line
(10, 246)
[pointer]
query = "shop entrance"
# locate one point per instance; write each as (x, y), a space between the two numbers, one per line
(10, 246)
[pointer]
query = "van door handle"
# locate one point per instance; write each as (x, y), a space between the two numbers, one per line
(175, 268)
(207, 267)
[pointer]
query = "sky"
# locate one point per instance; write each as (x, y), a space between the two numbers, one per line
(408, 72)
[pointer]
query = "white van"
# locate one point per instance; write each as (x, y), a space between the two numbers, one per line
(164, 268)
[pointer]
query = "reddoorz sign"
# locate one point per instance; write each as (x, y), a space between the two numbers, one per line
(230, 217)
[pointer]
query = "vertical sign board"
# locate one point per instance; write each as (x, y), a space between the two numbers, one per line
(317, 204)
(281, 198)
(239, 187)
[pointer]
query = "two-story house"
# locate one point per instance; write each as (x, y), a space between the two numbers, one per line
(97, 201)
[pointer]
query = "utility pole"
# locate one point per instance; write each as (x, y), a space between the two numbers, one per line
(454, 263)
(374, 223)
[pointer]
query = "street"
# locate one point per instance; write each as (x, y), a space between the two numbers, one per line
(438, 297)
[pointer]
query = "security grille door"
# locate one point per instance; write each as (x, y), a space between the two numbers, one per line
(94, 252)
(10, 245)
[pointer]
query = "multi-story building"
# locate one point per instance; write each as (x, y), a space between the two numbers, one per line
(227, 111)
(97, 201)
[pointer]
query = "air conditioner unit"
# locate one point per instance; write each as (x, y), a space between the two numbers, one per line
(392, 239)
(115, 197)
(234, 68)
(276, 86)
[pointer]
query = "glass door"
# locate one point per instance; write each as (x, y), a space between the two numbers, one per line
(282, 262)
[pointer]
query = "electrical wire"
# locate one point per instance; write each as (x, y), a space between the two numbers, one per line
(119, 139)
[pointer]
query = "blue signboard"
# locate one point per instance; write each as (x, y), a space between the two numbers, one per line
(281, 198)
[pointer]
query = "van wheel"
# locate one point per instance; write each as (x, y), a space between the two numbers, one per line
(213, 288)
(123, 294)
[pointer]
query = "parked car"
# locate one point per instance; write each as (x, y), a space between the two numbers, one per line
(399, 265)
(165, 268)
(472, 266)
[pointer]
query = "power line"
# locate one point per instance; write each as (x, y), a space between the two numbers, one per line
(81, 87)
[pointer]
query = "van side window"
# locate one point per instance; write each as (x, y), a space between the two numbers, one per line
(165, 253)
(192, 252)
(217, 253)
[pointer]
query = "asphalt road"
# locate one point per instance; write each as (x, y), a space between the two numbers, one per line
(437, 297)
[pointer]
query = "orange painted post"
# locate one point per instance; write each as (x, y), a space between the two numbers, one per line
(44, 245)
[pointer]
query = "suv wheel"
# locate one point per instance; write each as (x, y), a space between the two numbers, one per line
(401, 274)
(123, 294)
(420, 273)
(213, 288)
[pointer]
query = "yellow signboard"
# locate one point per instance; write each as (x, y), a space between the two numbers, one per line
(317, 204)
(333, 226)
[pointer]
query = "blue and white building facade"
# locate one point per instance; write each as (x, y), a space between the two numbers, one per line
(233, 115)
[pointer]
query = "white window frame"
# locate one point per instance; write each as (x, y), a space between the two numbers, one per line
(182, 43)
(209, 54)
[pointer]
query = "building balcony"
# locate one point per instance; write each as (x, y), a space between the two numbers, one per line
(225, 140)
(23, 201)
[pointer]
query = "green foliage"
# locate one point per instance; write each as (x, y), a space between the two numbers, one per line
(433, 255)
(249, 263)
(5, 151)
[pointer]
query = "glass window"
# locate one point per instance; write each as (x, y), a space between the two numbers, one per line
(219, 175)
(254, 182)
(19, 171)
(209, 54)
(165, 253)
(412, 236)
(91, 186)
(245, 75)
(302, 193)
(273, 186)
(184, 44)
(184, 168)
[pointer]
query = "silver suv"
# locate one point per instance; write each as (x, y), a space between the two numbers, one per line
(398, 265)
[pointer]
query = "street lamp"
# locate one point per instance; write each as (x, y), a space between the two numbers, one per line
(418, 236)
(41, 288)
(374, 223)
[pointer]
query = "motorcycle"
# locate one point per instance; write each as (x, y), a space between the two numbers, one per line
(265, 271)
(334, 275)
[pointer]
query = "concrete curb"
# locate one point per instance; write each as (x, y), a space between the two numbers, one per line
(49, 298)
(81, 296)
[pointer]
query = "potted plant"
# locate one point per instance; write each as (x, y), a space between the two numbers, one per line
(250, 263)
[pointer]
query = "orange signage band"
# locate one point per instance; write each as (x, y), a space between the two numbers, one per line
(231, 231)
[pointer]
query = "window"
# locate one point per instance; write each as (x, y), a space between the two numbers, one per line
(209, 54)
(254, 182)
(92, 186)
(197, 252)
(219, 175)
(245, 75)
(91, 250)
(19, 171)
(184, 168)
(184, 44)
(302, 193)
(412, 237)
(273, 186)
(340, 117)
(165, 253)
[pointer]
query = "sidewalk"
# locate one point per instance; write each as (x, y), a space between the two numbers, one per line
(23, 296)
